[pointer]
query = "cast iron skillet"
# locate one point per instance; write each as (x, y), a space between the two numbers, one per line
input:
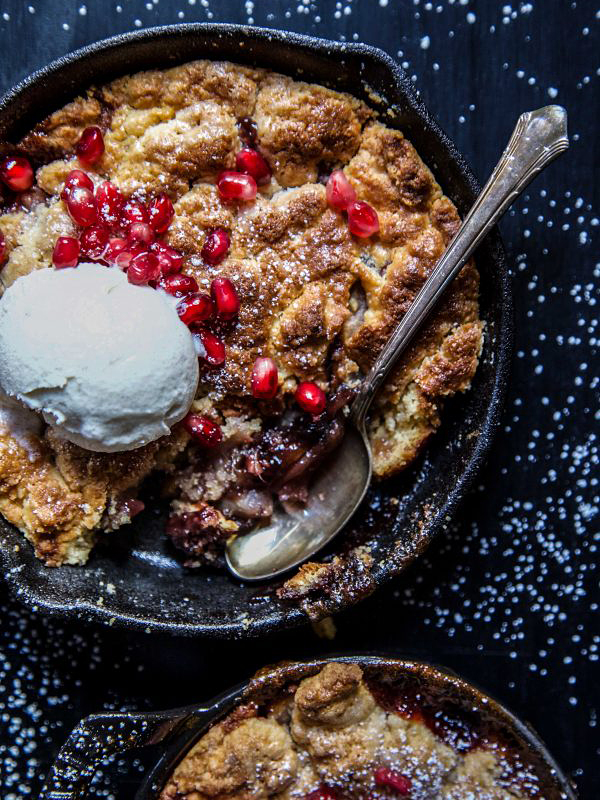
(100, 736)
(135, 582)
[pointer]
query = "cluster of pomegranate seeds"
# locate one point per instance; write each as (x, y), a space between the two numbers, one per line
(17, 173)
(120, 231)
(216, 246)
(252, 163)
(395, 780)
(236, 186)
(265, 379)
(311, 397)
(362, 218)
(203, 430)
(90, 147)
(225, 298)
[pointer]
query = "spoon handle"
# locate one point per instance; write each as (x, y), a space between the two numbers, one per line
(538, 138)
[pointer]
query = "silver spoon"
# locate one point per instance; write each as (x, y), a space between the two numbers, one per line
(538, 138)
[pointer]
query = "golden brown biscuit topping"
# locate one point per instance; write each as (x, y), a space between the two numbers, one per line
(331, 740)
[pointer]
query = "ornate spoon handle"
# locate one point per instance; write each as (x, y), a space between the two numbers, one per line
(538, 138)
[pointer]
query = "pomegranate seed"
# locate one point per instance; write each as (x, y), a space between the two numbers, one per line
(90, 146)
(109, 202)
(2, 247)
(161, 213)
(216, 246)
(210, 348)
(66, 252)
(252, 163)
(76, 178)
(178, 285)
(115, 246)
(236, 186)
(225, 297)
(311, 397)
(81, 205)
(124, 257)
(140, 232)
(169, 259)
(17, 173)
(265, 379)
(339, 191)
(203, 430)
(133, 211)
(396, 780)
(143, 268)
(93, 241)
(195, 307)
(362, 220)
(322, 793)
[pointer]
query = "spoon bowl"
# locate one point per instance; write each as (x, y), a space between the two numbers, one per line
(289, 539)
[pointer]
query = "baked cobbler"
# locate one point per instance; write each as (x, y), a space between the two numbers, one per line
(293, 229)
(339, 735)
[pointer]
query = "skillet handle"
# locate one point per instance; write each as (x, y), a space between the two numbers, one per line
(96, 738)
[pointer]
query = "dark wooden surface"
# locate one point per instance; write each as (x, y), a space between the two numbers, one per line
(510, 597)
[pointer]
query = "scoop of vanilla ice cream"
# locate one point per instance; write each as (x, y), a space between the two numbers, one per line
(108, 364)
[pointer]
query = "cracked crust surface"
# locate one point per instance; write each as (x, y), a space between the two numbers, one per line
(332, 733)
(318, 301)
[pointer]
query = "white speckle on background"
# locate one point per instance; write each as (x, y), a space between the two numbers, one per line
(471, 17)
(83, 10)
(425, 42)
(552, 92)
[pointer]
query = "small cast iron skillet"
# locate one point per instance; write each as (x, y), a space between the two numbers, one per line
(100, 736)
(135, 581)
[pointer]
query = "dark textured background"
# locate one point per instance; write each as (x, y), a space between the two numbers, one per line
(510, 597)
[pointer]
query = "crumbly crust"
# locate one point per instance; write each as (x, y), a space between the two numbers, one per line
(332, 732)
(58, 495)
(318, 301)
